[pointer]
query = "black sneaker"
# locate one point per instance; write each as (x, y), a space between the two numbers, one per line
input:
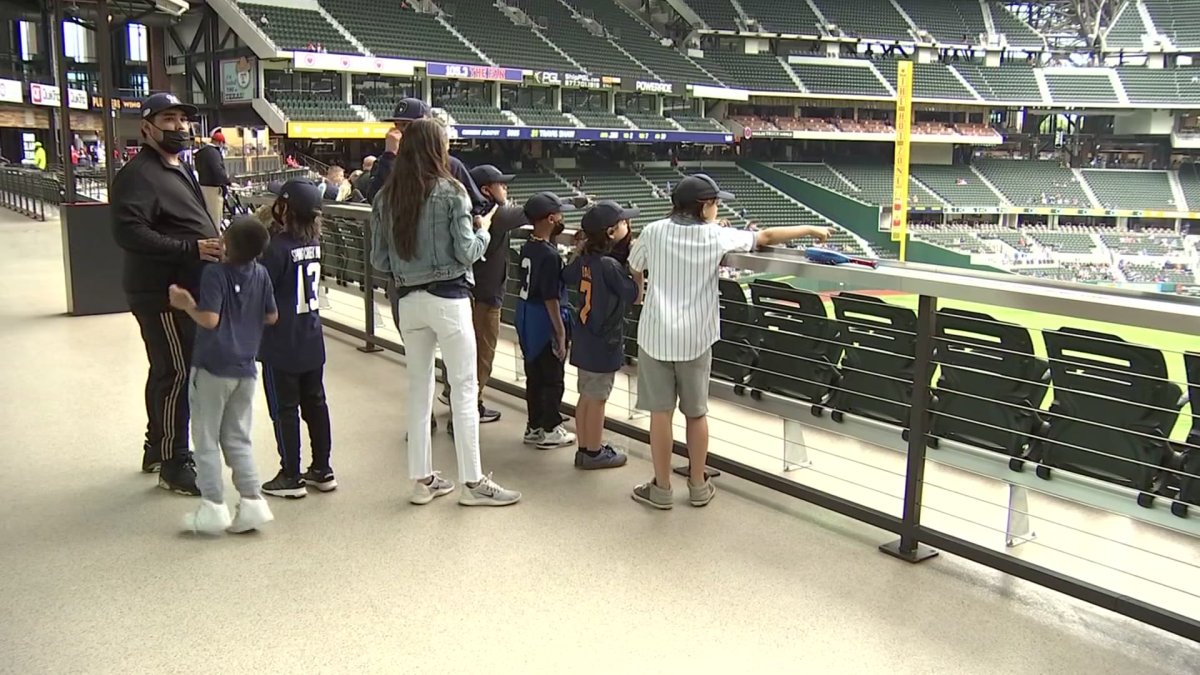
(179, 477)
(151, 461)
(487, 415)
(321, 479)
(283, 485)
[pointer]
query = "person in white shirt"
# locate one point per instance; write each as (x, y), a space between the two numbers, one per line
(680, 322)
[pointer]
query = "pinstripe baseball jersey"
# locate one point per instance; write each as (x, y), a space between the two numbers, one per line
(681, 310)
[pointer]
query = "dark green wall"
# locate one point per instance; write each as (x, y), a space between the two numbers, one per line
(859, 218)
(923, 252)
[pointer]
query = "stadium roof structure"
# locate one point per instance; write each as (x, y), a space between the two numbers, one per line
(86, 12)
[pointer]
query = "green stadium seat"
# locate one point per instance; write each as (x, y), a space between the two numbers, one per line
(948, 21)
(1113, 409)
(1126, 31)
(1132, 189)
(991, 385)
(507, 44)
(1177, 19)
(295, 29)
(877, 369)
(717, 14)
(798, 345)
(390, 30)
(586, 42)
(734, 357)
(930, 80)
(640, 40)
(1008, 83)
(1075, 87)
(1019, 33)
(795, 18)
(843, 79)
(756, 72)
(877, 19)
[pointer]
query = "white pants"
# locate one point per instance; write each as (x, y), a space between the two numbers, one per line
(427, 322)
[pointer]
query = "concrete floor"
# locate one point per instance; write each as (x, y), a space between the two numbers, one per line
(576, 578)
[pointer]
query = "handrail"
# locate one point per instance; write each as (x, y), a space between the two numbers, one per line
(1130, 307)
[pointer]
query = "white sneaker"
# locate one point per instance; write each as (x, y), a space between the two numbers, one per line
(208, 518)
(533, 436)
(487, 493)
(423, 492)
(556, 438)
(251, 515)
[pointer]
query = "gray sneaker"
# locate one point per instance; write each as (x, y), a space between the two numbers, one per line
(653, 496)
(702, 494)
(423, 492)
(487, 493)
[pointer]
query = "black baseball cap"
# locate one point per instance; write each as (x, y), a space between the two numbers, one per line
(543, 204)
(486, 174)
(157, 103)
(605, 214)
(303, 197)
(409, 109)
(698, 188)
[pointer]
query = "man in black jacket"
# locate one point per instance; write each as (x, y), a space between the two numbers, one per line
(160, 219)
(406, 111)
(210, 171)
(491, 275)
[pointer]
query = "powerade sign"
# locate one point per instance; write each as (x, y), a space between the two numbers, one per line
(605, 135)
(458, 71)
(653, 87)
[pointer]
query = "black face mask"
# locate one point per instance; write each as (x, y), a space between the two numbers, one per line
(175, 142)
(558, 229)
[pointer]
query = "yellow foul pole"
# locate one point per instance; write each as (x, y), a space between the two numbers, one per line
(904, 78)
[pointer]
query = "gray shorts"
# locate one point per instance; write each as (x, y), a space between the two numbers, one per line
(662, 383)
(596, 386)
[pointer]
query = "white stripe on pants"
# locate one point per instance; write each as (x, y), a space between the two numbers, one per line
(221, 408)
(426, 322)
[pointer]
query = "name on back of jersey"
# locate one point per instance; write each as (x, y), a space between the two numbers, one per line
(302, 253)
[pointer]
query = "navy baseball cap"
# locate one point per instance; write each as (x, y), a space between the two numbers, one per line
(410, 109)
(303, 197)
(486, 174)
(544, 204)
(605, 214)
(698, 188)
(157, 103)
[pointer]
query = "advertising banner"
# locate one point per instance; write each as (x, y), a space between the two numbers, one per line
(238, 77)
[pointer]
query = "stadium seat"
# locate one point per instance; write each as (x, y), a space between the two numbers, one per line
(642, 43)
(798, 347)
(756, 72)
(495, 34)
(718, 14)
(1019, 33)
(794, 18)
(734, 355)
(991, 385)
(876, 19)
(840, 79)
(1113, 409)
(948, 21)
(930, 80)
(1127, 29)
(1188, 480)
(1178, 20)
(391, 30)
(877, 370)
(1072, 87)
(585, 42)
(1009, 82)
(599, 119)
(297, 29)
(1132, 189)
(542, 117)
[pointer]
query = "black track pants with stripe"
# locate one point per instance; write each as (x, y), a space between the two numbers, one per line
(168, 337)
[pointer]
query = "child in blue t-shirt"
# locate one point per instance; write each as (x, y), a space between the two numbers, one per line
(234, 302)
(293, 350)
(598, 335)
(541, 322)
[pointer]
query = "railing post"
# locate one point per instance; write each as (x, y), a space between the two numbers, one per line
(908, 546)
(368, 289)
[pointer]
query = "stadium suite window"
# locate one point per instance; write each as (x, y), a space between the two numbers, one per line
(527, 97)
(638, 103)
(584, 99)
(462, 93)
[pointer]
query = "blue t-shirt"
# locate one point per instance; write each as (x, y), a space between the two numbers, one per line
(295, 344)
(541, 280)
(243, 297)
(598, 333)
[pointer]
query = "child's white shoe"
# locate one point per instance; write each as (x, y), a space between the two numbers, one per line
(208, 518)
(251, 514)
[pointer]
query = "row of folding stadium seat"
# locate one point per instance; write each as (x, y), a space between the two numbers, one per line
(1133, 189)
(640, 40)
(506, 43)
(946, 21)
(389, 29)
(1177, 19)
(297, 29)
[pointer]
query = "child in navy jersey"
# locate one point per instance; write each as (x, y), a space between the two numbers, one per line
(234, 302)
(541, 322)
(293, 350)
(598, 330)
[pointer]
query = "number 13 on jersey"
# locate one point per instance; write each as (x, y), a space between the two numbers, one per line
(308, 286)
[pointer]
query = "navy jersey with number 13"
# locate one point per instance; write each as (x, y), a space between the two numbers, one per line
(295, 343)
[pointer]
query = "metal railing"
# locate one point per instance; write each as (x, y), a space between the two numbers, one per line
(29, 192)
(937, 423)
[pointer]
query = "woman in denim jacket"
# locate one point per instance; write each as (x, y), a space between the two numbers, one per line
(422, 235)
